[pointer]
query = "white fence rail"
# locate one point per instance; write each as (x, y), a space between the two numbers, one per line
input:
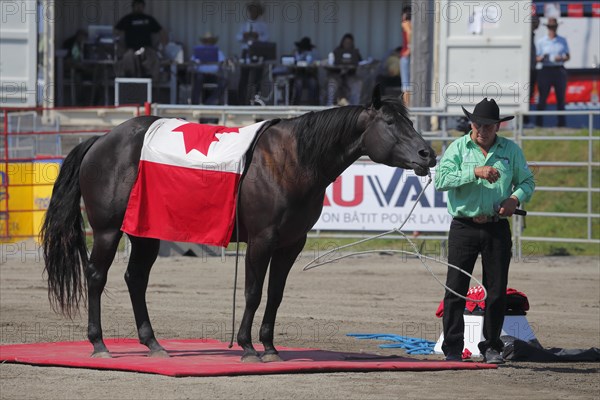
(443, 120)
(231, 115)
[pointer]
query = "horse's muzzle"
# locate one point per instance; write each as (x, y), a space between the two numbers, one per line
(428, 160)
(420, 170)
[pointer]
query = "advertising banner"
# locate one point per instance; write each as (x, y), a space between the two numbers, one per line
(375, 197)
(26, 188)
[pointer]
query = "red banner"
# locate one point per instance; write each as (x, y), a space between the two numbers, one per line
(578, 91)
(575, 10)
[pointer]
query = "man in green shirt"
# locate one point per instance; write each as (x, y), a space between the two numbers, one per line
(486, 177)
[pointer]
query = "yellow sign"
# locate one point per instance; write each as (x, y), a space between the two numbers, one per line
(26, 189)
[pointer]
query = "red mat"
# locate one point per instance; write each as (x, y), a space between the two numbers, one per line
(209, 357)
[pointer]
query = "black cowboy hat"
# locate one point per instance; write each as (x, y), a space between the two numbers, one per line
(552, 23)
(486, 112)
(304, 44)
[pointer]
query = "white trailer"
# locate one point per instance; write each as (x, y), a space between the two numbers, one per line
(483, 50)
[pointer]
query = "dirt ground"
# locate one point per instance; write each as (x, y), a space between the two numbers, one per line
(191, 298)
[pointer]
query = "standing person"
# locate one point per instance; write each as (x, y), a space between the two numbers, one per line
(253, 29)
(552, 51)
(136, 29)
(405, 53)
(482, 172)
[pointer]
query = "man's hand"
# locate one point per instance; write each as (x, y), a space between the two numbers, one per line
(508, 206)
(250, 35)
(488, 173)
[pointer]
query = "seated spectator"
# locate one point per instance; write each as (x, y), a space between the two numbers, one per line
(388, 75)
(306, 77)
(342, 82)
(208, 60)
(74, 68)
(139, 58)
(74, 46)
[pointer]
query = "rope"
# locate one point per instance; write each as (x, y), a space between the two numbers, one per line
(235, 275)
(412, 345)
(317, 263)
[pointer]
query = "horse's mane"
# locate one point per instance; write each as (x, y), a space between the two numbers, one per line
(396, 106)
(318, 132)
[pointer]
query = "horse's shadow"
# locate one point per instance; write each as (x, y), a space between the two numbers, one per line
(309, 355)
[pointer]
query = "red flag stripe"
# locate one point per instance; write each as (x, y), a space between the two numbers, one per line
(154, 209)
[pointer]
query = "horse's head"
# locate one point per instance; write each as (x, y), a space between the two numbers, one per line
(391, 139)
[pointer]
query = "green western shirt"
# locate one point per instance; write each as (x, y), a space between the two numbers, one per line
(469, 196)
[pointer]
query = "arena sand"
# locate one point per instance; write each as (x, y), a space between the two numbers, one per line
(191, 298)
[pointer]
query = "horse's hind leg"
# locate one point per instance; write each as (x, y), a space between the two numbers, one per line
(103, 253)
(281, 264)
(257, 262)
(143, 254)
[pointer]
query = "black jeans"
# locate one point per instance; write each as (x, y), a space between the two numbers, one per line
(465, 241)
(547, 78)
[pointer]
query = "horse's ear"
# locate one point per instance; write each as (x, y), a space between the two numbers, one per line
(376, 99)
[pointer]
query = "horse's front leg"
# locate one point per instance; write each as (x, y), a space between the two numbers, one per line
(258, 256)
(281, 264)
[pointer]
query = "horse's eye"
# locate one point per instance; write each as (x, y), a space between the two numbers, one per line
(390, 122)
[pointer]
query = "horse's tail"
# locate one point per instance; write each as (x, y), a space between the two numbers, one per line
(63, 236)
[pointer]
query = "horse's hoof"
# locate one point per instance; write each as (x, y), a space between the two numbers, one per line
(251, 358)
(162, 353)
(268, 358)
(101, 354)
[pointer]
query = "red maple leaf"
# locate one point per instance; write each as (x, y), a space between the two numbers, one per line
(200, 137)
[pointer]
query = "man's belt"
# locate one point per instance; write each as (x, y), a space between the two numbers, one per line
(480, 219)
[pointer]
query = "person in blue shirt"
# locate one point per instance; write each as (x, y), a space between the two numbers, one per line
(254, 29)
(209, 70)
(552, 51)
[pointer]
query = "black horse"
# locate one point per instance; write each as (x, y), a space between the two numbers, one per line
(281, 197)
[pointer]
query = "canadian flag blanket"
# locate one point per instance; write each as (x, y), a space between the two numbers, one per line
(187, 180)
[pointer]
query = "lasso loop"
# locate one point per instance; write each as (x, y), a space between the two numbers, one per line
(317, 263)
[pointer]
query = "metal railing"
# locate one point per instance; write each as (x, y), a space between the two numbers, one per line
(229, 115)
(442, 134)
(590, 214)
